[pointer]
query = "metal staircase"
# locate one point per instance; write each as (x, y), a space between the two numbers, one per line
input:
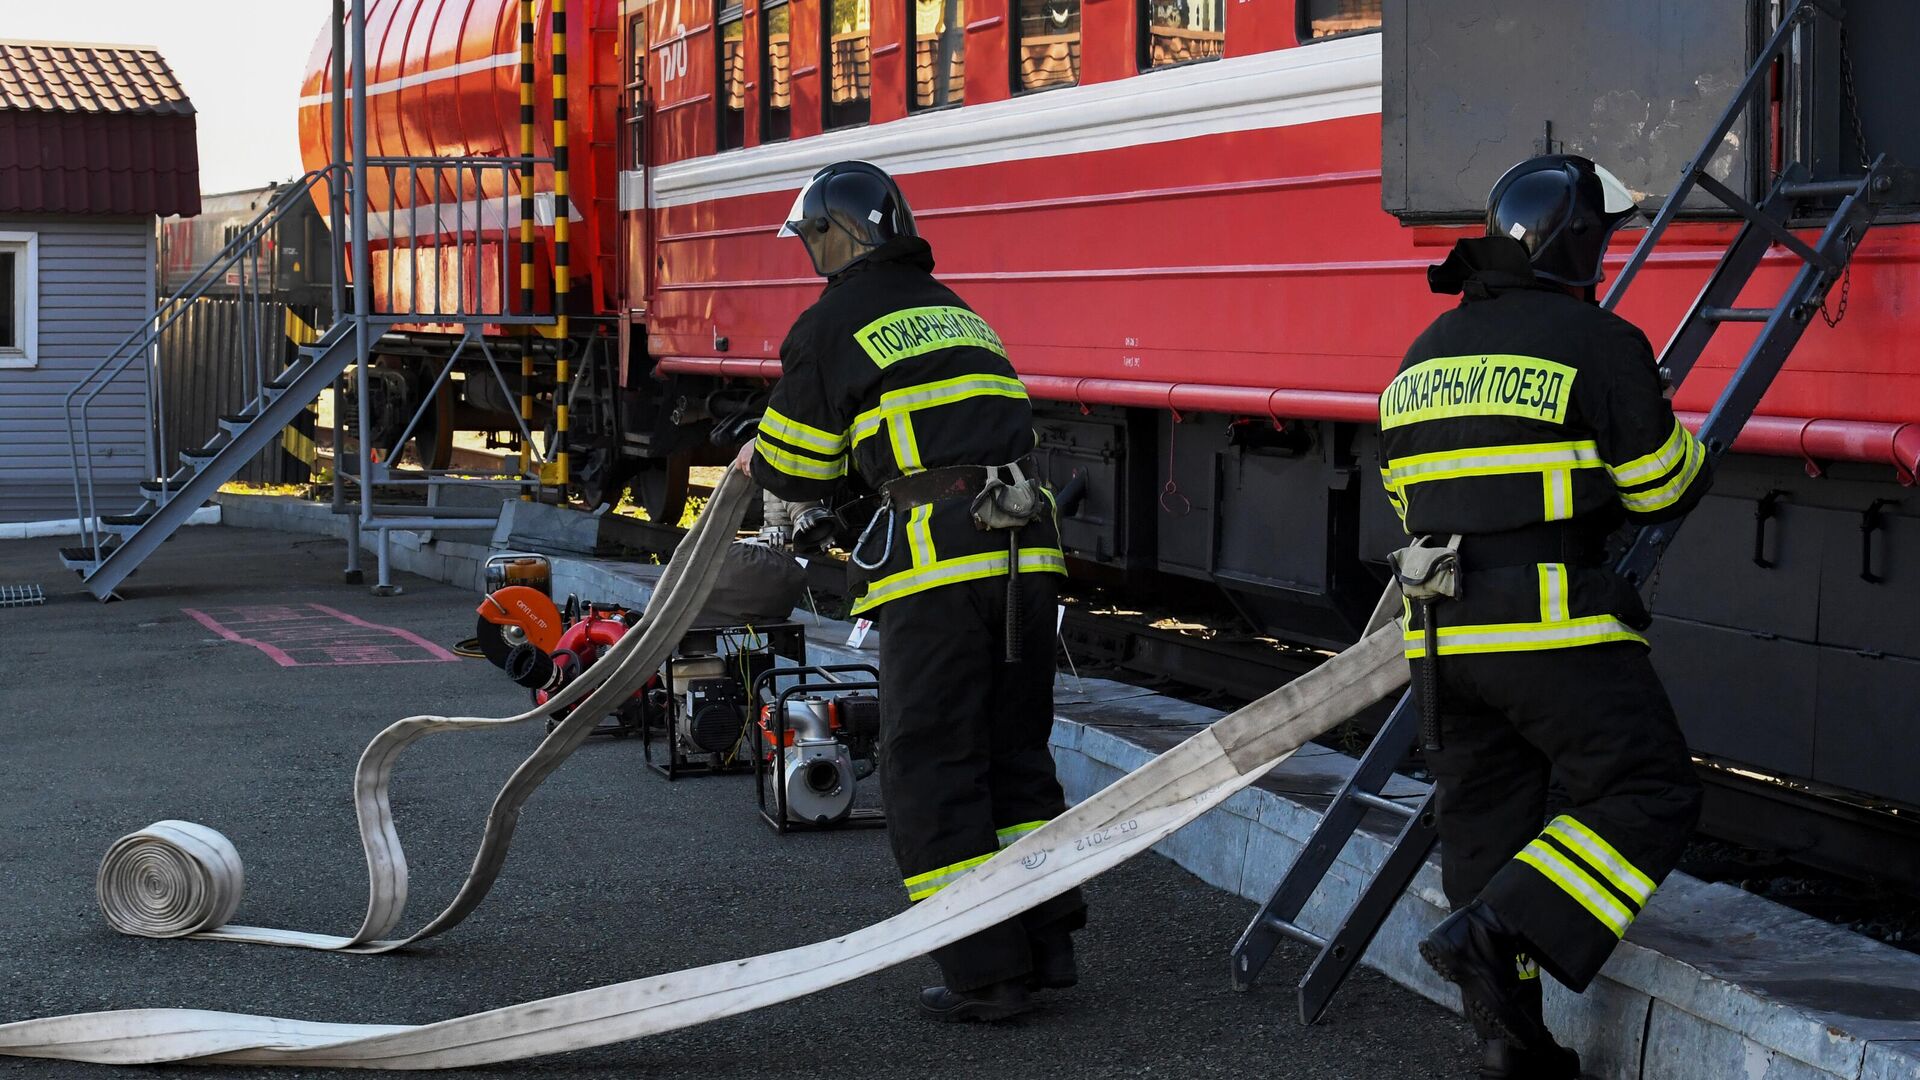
(120, 542)
(451, 215)
(1793, 196)
(113, 545)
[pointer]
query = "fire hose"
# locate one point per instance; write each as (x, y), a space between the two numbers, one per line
(1117, 823)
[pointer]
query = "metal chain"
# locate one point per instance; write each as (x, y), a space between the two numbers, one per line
(1846, 293)
(1850, 97)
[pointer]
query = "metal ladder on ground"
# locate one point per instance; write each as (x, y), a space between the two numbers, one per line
(114, 544)
(1764, 225)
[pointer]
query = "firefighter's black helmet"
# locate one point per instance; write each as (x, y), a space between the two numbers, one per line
(1564, 209)
(848, 209)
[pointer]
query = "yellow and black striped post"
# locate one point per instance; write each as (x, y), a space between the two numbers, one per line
(526, 232)
(297, 438)
(562, 229)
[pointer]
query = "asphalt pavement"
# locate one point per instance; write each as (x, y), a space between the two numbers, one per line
(116, 715)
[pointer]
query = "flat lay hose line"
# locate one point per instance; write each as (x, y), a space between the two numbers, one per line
(1117, 823)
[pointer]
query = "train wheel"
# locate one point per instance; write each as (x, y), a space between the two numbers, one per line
(432, 441)
(395, 401)
(660, 488)
(601, 475)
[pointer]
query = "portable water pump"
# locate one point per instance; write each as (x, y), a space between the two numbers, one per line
(819, 738)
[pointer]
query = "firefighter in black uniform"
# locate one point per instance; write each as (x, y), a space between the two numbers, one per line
(890, 374)
(1527, 424)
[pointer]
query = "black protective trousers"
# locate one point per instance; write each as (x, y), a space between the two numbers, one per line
(964, 763)
(1598, 721)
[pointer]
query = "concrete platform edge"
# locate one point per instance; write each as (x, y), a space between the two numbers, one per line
(1712, 981)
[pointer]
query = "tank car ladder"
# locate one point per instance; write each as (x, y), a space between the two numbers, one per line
(1764, 225)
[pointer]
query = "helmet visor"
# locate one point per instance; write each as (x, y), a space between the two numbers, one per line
(1618, 197)
(797, 213)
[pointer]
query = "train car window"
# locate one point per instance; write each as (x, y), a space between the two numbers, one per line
(1047, 52)
(848, 34)
(1182, 31)
(776, 72)
(939, 53)
(733, 75)
(1332, 18)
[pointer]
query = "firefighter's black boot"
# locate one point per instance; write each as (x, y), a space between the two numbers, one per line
(1053, 965)
(1473, 949)
(1502, 1060)
(987, 1004)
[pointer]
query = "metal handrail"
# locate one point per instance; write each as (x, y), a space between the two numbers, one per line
(475, 219)
(138, 343)
(488, 223)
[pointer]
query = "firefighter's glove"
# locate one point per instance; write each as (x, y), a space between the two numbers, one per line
(1008, 504)
(1428, 572)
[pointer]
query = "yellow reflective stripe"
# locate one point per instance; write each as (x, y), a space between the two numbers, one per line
(906, 449)
(921, 886)
(1523, 637)
(1573, 881)
(1526, 967)
(1557, 485)
(789, 430)
(1603, 857)
(920, 534)
(1011, 833)
(1394, 498)
(894, 337)
(1494, 461)
(1553, 594)
(1449, 387)
(1667, 494)
(955, 570)
(1657, 464)
(926, 395)
(807, 468)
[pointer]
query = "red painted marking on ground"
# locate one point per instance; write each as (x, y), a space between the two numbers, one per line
(314, 635)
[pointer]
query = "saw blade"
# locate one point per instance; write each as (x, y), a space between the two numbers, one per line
(494, 641)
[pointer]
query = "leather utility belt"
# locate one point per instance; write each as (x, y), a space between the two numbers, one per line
(1572, 543)
(1006, 498)
(947, 482)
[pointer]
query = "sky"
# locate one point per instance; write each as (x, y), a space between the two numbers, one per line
(240, 60)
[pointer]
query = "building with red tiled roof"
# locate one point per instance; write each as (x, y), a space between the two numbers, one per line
(96, 143)
(94, 129)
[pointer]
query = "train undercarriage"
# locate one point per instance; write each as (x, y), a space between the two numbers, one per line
(1285, 524)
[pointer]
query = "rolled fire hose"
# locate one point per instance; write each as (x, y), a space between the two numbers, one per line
(178, 879)
(1119, 822)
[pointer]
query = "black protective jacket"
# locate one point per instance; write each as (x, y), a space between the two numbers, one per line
(891, 373)
(1528, 408)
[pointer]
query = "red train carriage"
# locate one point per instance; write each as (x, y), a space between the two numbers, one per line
(1202, 228)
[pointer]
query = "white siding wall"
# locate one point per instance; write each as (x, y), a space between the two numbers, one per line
(96, 287)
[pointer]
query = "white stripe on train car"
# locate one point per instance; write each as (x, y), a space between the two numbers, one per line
(422, 78)
(1327, 80)
(633, 189)
(484, 215)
